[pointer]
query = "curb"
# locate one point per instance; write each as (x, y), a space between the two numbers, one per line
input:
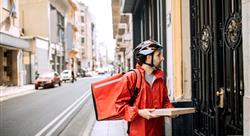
(88, 130)
(21, 93)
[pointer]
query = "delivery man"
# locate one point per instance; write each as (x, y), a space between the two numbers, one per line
(152, 94)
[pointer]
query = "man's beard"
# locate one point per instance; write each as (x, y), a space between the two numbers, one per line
(158, 66)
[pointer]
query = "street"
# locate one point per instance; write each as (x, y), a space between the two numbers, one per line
(193, 57)
(64, 110)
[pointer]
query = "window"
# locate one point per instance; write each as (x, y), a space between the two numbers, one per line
(119, 57)
(6, 4)
(82, 19)
(60, 24)
(121, 31)
(119, 40)
(60, 20)
(124, 19)
(61, 36)
(82, 30)
(82, 40)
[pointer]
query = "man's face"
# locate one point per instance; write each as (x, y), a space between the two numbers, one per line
(158, 58)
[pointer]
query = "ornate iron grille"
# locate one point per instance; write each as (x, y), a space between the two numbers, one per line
(217, 67)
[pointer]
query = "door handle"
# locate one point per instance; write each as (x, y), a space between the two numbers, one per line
(221, 95)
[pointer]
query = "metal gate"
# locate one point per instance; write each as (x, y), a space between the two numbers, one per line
(217, 67)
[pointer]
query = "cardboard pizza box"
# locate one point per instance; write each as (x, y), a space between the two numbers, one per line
(173, 111)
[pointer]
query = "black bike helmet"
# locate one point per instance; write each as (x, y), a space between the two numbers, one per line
(146, 48)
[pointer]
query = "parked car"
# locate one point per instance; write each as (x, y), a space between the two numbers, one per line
(66, 75)
(81, 72)
(49, 79)
(100, 71)
(90, 73)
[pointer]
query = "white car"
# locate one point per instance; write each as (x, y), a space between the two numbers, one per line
(66, 75)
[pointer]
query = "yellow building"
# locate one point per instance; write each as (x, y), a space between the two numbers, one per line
(72, 46)
(46, 19)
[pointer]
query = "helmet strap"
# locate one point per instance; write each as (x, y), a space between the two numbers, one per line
(148, 64)
(152, 62)
(152, 59)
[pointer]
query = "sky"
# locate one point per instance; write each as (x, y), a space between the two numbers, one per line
(102, 12)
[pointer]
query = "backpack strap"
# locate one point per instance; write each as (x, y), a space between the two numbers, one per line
(136, 86)
(134, 83)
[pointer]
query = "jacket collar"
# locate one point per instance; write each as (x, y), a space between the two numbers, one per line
(158, 73)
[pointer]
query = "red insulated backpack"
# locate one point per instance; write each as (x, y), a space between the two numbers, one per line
(104, 93)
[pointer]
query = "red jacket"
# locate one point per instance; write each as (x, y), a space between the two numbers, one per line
(148, 97)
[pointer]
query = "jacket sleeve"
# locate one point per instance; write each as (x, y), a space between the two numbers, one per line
(166, 101)
(129, 113)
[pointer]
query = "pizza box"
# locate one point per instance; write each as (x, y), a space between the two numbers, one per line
(173, 111)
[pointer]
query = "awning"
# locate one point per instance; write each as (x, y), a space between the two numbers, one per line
(13, 41)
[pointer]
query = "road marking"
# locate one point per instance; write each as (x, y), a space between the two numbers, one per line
(65, 117)
(62, 114)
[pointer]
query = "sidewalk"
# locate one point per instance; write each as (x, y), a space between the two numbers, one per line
(14, 91)
(109, 128)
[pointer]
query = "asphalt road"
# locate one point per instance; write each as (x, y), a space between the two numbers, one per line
(64, 110)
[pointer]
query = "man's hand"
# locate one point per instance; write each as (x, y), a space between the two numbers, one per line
(147, 113)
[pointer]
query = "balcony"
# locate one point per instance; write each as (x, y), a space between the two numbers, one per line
(73, 52)
(13, 41)
(122, 28)
(73, 4)
(119, 39)
(75, 28)
(120, 48)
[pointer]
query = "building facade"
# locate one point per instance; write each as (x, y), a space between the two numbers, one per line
(122, 33)
(72, 47)
(52, 27)
(205, 48)
(15, 52)
(39, 55)
(86, 37)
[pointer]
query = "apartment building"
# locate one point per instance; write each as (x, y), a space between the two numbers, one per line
(86, 37)
(72, 48)
(46, 19)
(122, 33)
(15, 52)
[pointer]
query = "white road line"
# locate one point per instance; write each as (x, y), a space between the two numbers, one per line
(59, 116)
(66, 116)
